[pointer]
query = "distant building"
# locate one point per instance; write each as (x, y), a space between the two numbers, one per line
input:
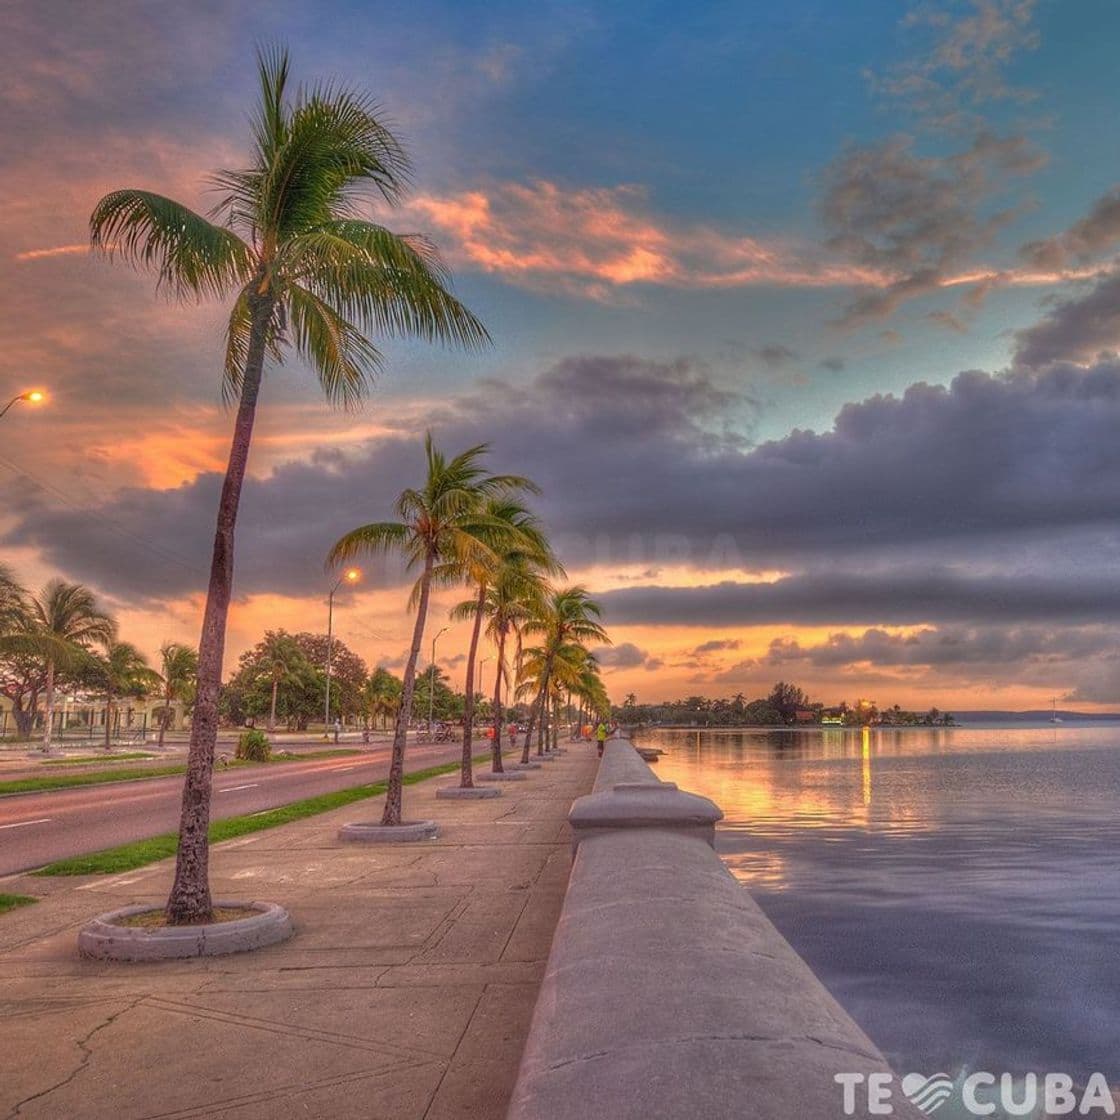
(805, 715)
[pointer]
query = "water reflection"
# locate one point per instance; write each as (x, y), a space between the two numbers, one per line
(958, 889)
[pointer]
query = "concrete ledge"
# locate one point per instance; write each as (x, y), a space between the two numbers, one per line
(667, 992)
(645, 805)
(104, 940)
(469, 792)
(404, 833)
(501, 776)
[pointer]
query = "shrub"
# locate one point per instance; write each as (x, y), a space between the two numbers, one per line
(253, 746)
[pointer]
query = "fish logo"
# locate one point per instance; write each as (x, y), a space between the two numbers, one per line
(927, 1094)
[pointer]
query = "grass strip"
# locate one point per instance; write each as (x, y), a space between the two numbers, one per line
(14, 901)
(127, 857)
(96, 777)
(81, 760)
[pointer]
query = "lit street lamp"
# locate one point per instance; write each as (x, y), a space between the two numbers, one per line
(351, 575)
(432, 680)
(32, 396)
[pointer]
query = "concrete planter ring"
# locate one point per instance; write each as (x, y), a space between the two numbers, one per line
(105, 939)
(501, 776)
(468, 793)
(404, 833)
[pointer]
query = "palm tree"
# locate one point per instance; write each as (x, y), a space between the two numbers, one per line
(281, 657)
(65, 620)
(178, 672)
(442, 530)
(382, 693)
(570, 616)
(511, 597)
(122, 671)
(521, 534)
(305, 272)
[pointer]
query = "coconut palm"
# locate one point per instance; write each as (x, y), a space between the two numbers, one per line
(281, 658)
(570, 616)
(513, 595)
(520, 534)
(442, 530)
(64, 622)
(382, 693)
(178, 674)
(305, 272)
(122, 670)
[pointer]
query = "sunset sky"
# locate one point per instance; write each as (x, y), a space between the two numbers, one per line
(805, 318)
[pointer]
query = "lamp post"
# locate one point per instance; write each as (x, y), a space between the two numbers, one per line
(482, 661)
(32, 396)
(432, 681)
(351, 575)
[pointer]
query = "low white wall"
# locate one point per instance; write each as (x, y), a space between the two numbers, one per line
(668, 994)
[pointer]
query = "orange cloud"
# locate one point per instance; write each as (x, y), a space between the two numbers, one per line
(594, 241)
(56, 251)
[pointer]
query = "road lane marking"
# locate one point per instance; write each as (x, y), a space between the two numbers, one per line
(343, 769)
(24, 824)
(234, 789)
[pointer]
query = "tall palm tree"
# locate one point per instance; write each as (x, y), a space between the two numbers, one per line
(512, 596)
(382, 693)
(66, 619)
(570, 616)
(305, 271)
(442, 530)
(520, 534)
(178, 673)
(122, 671)
(281, 658)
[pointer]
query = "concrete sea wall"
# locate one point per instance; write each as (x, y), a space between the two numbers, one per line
(668, 993)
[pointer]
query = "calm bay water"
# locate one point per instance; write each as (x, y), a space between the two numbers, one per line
(957, 890)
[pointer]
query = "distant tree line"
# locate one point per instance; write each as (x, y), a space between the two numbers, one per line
(785, 705)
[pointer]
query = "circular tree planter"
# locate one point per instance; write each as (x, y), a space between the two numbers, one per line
(502, 776)
(404, 833)
(106, 939)
(469, 792)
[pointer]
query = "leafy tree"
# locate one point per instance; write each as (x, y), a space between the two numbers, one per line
(178, 674)
(441, 530)
(349, 672)
(305, 272)
(786, 699)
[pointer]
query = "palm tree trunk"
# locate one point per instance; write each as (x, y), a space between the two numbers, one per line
(544, 708)
(466, 777)
(496, 749)
(189, 901)
(272, 710)
(392, 814)
(530, 726)
(108, 719)
(166, 715)
(556, 723)
(49, 705)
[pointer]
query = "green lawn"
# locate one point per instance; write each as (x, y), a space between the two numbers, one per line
(82, 759)
(127, 857)
(14, 902)
(96, 777)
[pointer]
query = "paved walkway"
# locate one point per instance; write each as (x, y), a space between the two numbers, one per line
(406, 992)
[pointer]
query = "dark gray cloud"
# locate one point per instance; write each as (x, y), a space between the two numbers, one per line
(1078, 329)
(900, 598)
(775, 356)
(1087, 238)
(834, 363)
(715, 646)
(639, 466)
(626, 655)
(948, 646)
(918, 217)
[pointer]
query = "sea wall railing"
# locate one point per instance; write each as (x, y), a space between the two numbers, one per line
(668, 994)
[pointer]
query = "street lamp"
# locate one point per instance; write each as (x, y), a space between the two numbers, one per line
(432, 681)
(32, 396)
(351, 575)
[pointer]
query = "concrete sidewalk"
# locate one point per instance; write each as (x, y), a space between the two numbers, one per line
(406, 992)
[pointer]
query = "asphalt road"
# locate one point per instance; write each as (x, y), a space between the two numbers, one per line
(37, 828)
